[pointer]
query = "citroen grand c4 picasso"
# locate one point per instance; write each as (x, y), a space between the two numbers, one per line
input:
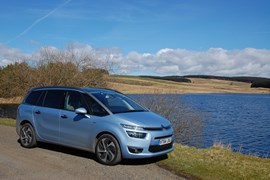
(102, 121)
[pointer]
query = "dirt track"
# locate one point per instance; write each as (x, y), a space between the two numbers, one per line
(57, 162)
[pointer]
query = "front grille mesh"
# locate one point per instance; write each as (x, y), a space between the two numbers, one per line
(158, 148)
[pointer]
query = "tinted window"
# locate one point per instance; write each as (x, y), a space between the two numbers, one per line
(74, 100)
(95, 108)
(55, 99)
(41, 99)
(33, 97)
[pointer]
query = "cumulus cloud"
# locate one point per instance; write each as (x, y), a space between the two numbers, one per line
(10, 55)
(214, 61)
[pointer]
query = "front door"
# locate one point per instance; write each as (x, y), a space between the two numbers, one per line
(75, 129)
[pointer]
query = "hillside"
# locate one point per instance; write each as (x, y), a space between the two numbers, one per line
(146, 85)
(255, 81)
(149, 85)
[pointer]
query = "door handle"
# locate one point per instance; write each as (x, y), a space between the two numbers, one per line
(37, 112)
(64, 116)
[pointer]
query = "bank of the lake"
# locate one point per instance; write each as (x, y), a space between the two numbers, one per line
(216, 162)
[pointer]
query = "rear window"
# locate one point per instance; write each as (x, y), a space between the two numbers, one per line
(33, 98)
(55, 99)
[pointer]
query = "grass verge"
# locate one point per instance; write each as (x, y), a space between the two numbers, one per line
(8, 122)
(216, 162)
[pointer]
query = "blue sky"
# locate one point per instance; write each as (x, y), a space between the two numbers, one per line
(145, 27)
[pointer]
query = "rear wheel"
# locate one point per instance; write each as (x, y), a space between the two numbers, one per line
(27, 136)
(108, 151)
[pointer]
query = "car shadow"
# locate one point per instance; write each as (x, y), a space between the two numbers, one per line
(89, 155)
(144, 161)
(64, 149)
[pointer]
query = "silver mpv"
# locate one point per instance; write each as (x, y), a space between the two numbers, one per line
(101, 121)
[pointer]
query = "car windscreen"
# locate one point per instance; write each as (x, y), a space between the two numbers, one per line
(118, 103)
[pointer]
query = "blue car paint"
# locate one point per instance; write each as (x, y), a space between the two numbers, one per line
(80, 131)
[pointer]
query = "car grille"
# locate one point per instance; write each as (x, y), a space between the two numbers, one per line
(158, 148)
(157, 128)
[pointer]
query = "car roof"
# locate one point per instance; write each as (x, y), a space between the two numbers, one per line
(91, 90)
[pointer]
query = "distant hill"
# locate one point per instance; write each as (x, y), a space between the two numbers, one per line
(255, 81)
(169, 78)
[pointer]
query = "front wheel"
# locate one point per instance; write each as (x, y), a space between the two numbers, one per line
(108, 151)
(27, 136)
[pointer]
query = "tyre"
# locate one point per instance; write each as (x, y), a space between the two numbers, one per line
(107, 150)
(27, 136)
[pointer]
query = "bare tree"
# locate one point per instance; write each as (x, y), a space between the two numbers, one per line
(50, 66)
(188, 123)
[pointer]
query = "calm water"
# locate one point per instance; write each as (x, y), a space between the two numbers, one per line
(241, 120)
(237, 119)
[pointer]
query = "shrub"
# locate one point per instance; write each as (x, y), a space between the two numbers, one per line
(52, 68)
(15, 79)
(188, 124)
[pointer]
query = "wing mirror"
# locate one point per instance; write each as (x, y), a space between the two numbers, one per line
(80, 111)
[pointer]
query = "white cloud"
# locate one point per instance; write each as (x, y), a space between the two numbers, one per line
(214, 61)
(164, 69)
(10, 55)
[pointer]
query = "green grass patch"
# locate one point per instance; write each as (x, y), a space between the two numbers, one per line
(8, 122)
(216, 163)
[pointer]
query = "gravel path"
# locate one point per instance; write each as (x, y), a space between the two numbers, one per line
(57, 162)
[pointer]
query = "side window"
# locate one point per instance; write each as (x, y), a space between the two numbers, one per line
(95, 108)
(74, 100)
(55, 99)
(41, 99)
(33, 98)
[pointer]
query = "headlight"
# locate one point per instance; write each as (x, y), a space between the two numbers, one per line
(126, 126)
(136, 134)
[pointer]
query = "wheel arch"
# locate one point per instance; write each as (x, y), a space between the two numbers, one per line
(24, 122)
(110, 133)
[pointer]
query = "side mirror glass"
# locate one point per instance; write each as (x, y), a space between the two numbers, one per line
(80, 111)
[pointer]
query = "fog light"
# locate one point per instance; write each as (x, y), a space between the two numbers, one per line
(135, 150)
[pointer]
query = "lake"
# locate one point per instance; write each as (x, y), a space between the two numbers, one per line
(241, 120)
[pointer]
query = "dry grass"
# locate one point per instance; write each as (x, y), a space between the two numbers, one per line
(14, 100)
(138, 85)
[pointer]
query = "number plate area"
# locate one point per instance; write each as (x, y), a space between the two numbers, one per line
(165, 141)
